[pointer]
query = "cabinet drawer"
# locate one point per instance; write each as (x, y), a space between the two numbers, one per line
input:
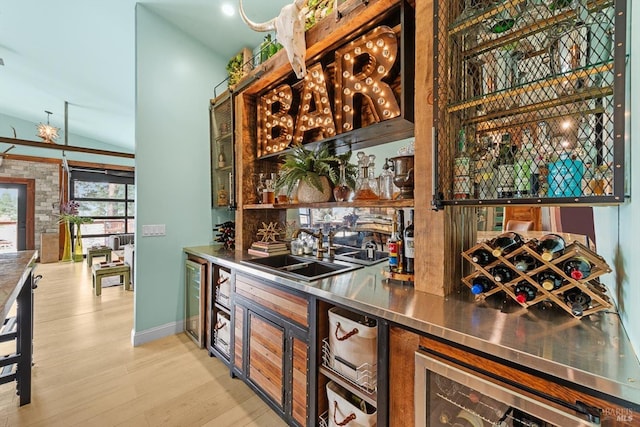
(284, 303)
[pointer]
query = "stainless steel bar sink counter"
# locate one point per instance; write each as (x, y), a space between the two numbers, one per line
(593, 352)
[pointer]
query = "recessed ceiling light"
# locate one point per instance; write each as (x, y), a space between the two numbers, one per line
(228, 9)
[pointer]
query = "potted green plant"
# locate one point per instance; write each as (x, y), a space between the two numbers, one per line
(314, 172)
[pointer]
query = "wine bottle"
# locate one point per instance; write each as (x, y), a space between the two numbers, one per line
(467, 419)
(392, 245)
(550, 246)
(409, 249)
(577, 268)
(482, 257)
(402, 260)
(524, 262)
(577, 300)
(549, 280)
(506, 243)
(502, 274)
(480, 285)
(524, 291)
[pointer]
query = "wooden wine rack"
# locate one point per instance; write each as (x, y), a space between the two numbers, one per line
(590, 285)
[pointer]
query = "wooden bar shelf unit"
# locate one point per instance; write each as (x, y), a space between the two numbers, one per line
(404, 203)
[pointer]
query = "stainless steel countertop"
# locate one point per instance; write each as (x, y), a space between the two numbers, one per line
(594, 352)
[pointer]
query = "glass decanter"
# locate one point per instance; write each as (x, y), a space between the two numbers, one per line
(342, 191)
(368, 184)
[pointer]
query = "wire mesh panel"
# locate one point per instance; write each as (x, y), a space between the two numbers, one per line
(530, 101)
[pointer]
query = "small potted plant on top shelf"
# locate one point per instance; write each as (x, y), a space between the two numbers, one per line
(314, 171)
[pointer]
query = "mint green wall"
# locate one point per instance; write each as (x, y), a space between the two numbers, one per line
(27, 130)
(618, 228)
(175, 77)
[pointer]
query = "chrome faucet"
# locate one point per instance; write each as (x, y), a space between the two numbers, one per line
(319, 236)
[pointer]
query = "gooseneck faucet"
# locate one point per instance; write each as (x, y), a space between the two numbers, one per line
(319, 236)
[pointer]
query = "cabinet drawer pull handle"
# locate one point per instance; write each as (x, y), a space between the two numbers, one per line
(347, 336)
(346, 421)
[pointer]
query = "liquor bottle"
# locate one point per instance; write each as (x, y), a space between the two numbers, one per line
(480, 285)
(409, 248)
(522, 166)
(550, 246)
(577, 268)
(549, 280)
(223, 196)
(461, 169)
(392, 245)
(577, 300)
(505, 173)
(524, 291)
(505, 243)
(402, 260)
(524, 262)
(502, 274)
(482, 257)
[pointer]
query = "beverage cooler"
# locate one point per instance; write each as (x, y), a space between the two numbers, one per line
(451, 395)
(195, 285)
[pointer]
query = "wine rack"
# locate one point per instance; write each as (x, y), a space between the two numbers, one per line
(590, 285)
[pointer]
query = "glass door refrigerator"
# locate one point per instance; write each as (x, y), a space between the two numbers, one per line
(195, 300)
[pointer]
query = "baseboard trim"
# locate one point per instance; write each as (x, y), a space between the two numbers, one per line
(148, 335)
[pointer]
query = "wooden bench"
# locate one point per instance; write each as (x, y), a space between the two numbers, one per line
(107, 269)
(104, 251)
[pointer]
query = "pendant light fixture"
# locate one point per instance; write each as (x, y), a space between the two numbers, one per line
(47, 132)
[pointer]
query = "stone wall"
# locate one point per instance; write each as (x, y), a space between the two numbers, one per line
(47, 191)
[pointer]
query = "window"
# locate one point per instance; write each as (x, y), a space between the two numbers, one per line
(106, 196)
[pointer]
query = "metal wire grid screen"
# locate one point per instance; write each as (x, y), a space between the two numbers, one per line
(526, 101)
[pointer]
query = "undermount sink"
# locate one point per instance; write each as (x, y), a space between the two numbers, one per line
(360, 256)
(299, 267)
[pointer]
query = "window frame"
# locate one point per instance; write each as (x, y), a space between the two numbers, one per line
(126, 178)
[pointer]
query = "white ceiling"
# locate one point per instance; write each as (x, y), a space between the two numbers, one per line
(82, 51)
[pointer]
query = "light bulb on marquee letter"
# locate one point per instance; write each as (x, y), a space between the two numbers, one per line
(275, 131)
(315, 88)
(381, 45)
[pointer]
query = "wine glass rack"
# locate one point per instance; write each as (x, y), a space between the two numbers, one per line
(529, 101)
(590, 285)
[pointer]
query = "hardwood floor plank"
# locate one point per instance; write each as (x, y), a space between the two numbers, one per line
(86, 372)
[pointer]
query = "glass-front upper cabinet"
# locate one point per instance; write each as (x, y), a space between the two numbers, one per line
(530, 101)
(222, 150)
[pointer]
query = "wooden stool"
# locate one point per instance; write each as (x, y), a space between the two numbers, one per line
(104, 251)
(99, 271)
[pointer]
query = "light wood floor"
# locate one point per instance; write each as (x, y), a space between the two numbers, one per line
(86, 372)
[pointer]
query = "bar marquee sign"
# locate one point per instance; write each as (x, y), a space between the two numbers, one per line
(359, 82)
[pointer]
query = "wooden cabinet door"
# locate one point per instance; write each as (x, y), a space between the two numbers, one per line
(266, 357)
